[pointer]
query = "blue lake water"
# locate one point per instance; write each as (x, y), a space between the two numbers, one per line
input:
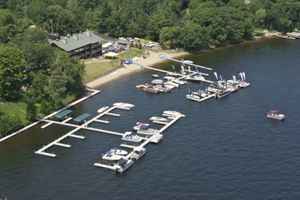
(223, 149)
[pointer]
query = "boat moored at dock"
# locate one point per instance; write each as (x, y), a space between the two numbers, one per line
(130, 137)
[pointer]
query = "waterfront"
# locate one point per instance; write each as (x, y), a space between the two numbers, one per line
(223, 149)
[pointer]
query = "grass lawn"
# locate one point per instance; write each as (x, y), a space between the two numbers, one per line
(94, 70)
(131, 53)
(97, 68)
(15, 110)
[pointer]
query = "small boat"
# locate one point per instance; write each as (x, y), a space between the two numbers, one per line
(223, 93)
(148, 88)
(122, 165)
(169, 78)
(159, 119)
(196, 78)
(244, 84)
(129, 137)
(274, 114)
(124, 106)
(111, 157)
(157, 82)
(156, 138)
(137, 153)
(180, 82)
(148, 131)
(171, 83)
(140, 125)
(155, 75)
(101, 110)
(114, 154)
(171, 114)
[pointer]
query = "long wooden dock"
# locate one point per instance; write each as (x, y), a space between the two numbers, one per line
(84, 126)
(92, 93)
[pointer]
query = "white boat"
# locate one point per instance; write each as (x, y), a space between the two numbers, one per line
(123, 165)
(155, 75)
(101, 110)
(114, 154)
(244, 84)
(159, 119)
(129, 137)
(140, 125)
(169, 87)
(156, 138)
(171, 83)
(274, 114)
(124, 106)
(196, 78)
(223, 93)
(157, 82)
(180, 82)
(137, 153)
(193, 97)
(172, 114)
(169, 78)
(148, 131)
(111, 157)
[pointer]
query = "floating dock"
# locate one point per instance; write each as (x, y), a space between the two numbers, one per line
(84, 126)
(137, 151)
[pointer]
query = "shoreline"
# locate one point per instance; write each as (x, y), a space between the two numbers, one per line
(154, 59)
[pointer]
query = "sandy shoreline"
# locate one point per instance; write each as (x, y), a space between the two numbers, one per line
(152, 59)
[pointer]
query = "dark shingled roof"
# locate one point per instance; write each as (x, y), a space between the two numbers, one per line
(76, 41)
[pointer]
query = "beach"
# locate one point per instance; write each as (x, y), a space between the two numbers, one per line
(153, 58)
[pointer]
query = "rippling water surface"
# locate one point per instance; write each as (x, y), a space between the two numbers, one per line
(223, 149)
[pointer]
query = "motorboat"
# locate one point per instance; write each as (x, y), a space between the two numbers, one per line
(244, 84)
(171, 83)
(157, 82)
(274, 114)
(129, 137)
(223, 93)
(196, 78)
(212, 89)
(124, 106)
(114, 154)
(159, 119)
(137, 153)
(101, 110)
(156, 138)
(111, 157)
(193, 97)
(148, 131)
(180, 82)
(169, 78)
(140, 125)
(171, 114)
(148, 88)
(155, 75)
(122, 165)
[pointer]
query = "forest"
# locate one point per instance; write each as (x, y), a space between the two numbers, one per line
(36, 78)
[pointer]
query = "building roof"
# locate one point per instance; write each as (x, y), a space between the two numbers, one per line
(76, 41)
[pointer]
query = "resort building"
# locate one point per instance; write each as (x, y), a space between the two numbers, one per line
(81, 45)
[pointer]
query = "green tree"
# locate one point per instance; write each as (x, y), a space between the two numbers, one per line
(12, 72)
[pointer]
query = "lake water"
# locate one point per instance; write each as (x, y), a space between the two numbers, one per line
(223, 149)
